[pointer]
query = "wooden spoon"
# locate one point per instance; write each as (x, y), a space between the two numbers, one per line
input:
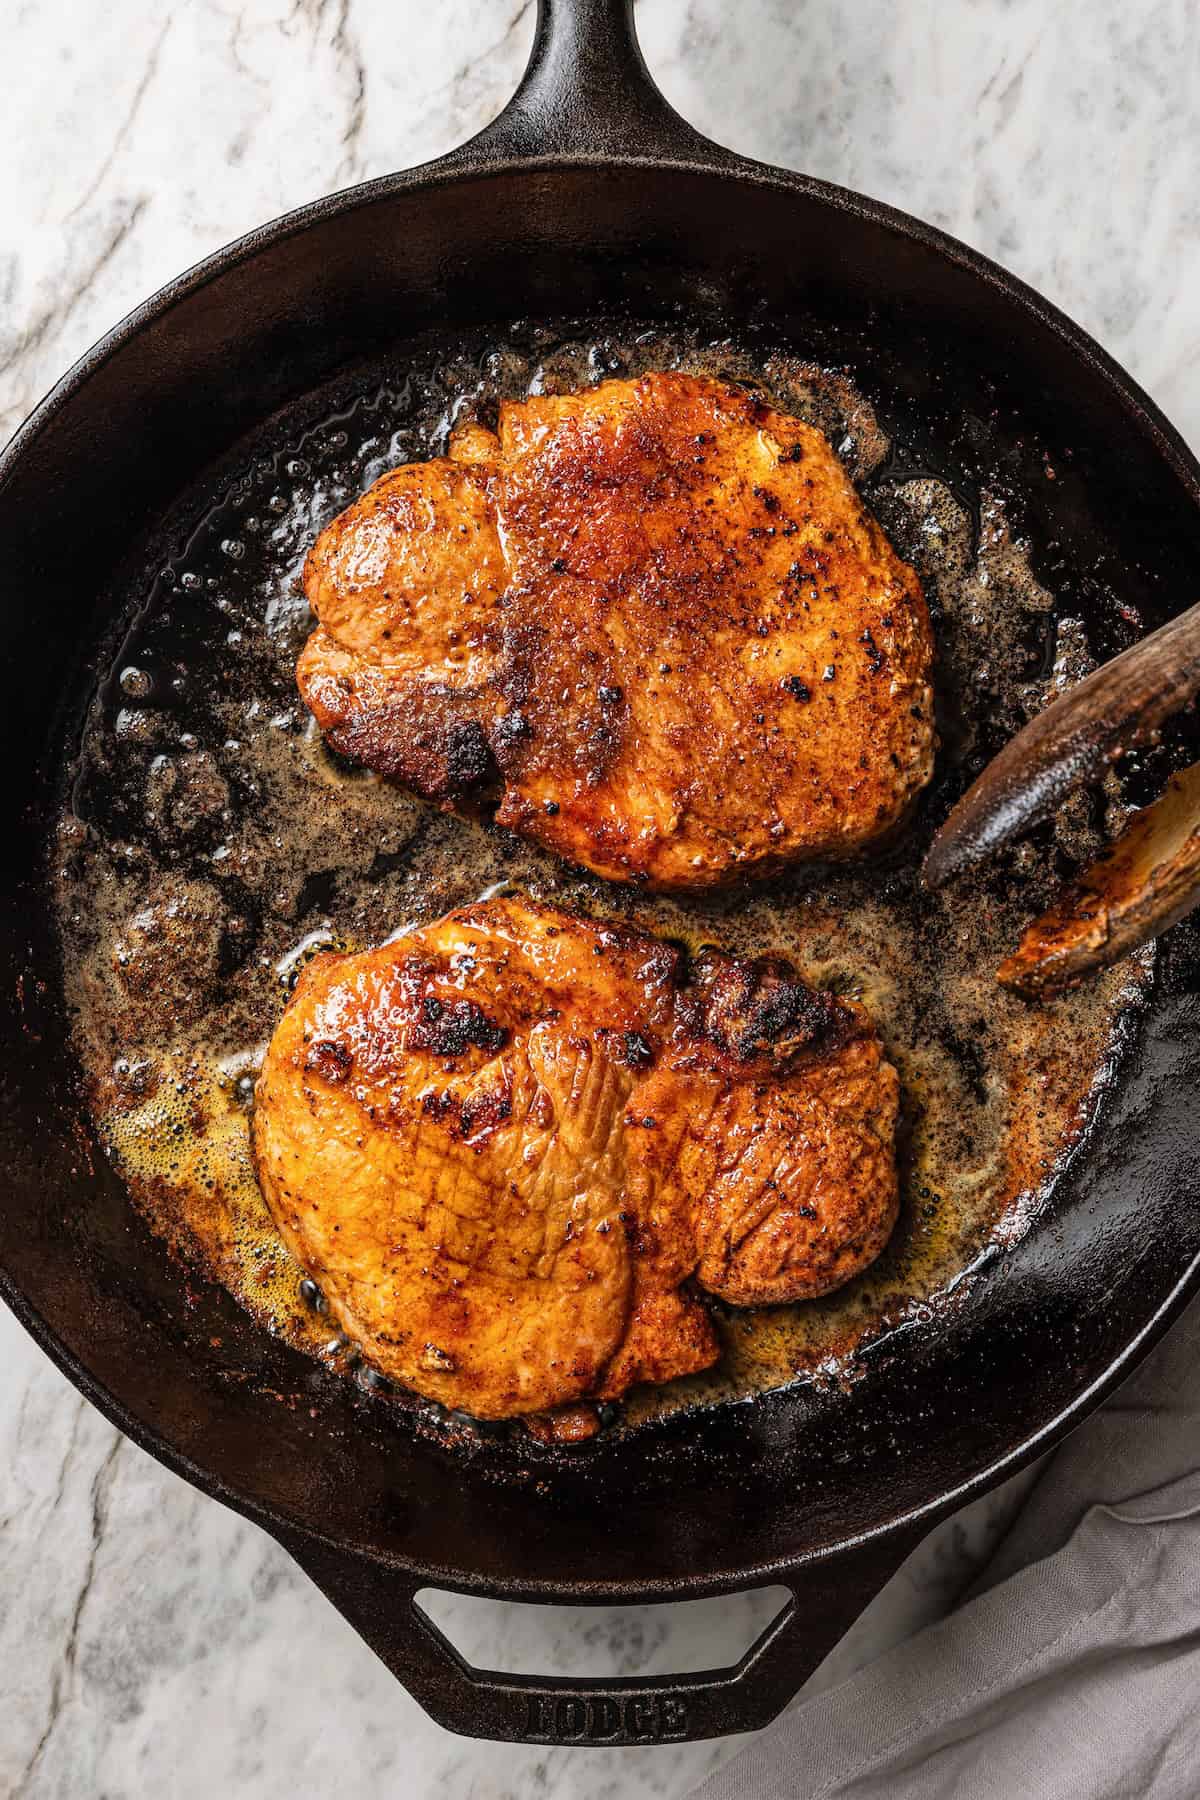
(1144, 882)
(1079, 734)
(1150, 877)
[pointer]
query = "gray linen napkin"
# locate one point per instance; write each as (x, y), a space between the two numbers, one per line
(1071, 1670)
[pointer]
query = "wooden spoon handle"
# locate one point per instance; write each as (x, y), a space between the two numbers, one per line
(1113, 709)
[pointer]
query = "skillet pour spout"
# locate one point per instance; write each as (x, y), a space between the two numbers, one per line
(589, 195)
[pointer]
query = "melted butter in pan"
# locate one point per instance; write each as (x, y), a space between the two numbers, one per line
(211, 845)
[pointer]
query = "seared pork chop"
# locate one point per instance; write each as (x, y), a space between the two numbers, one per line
(655, 617)
(504, 1142)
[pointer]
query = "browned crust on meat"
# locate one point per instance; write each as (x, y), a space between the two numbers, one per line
(506, 1144)
(655, 619)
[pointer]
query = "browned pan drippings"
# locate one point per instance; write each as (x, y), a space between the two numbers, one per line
(211, 843)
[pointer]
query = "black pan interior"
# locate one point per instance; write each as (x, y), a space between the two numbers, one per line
(987, 389)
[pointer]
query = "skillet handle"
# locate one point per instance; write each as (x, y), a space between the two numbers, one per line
(380, 1603)
(587, 92)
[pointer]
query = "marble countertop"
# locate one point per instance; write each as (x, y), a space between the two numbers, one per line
(150, 1642)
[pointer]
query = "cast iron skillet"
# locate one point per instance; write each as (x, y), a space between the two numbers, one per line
(589, 192)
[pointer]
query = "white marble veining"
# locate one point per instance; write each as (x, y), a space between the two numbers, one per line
(151, 1643)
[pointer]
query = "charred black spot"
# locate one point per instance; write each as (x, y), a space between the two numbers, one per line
(874, 653)
(634, 1050)
(798, 689)
(449, 1030)
(330, 1060)
(469, 761)
(765, 1008)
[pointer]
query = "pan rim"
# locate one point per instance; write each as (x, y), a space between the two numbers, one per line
(460, 168)
(782, 1570)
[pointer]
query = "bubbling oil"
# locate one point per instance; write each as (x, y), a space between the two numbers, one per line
(210, 843)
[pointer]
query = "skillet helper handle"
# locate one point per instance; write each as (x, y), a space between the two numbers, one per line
(381, 1605)
(587, 92)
